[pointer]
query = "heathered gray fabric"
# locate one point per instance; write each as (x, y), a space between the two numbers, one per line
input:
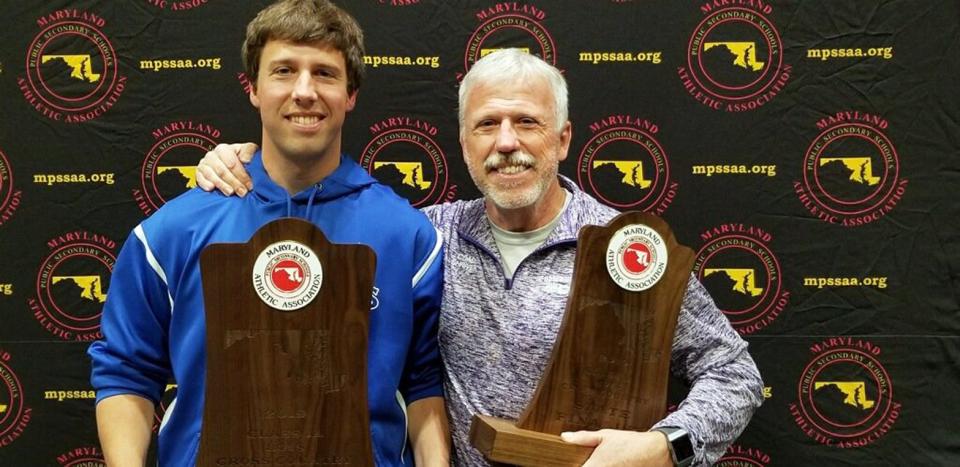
(497, 335)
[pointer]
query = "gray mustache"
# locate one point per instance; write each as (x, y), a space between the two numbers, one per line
(496, 160)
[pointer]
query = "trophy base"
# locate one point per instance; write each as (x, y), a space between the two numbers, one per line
(501, 441)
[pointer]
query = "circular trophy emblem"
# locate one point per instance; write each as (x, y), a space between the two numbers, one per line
(287, 275)
(636, 257)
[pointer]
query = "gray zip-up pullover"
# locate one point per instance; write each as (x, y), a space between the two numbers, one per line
(496, 335)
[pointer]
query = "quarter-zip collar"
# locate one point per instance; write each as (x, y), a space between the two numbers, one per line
(475, 225)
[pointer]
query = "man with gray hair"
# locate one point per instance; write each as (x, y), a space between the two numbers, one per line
(509, 263)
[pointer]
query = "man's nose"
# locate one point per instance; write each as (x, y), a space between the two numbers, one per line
(304, 92)
(506, 137)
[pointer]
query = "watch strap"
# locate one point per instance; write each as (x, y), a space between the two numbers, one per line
(676, 436)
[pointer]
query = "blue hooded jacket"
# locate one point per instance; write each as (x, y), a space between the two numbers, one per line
(153, 321)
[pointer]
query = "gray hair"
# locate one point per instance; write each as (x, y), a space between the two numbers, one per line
(512, 66)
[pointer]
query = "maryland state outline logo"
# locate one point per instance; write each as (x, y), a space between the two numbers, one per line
(72, 68)
(845, 395)
(287, 275)
(404, 154)
(625, 166)
(510, 25)
(735, 57)
(14, 413)
(851, 171)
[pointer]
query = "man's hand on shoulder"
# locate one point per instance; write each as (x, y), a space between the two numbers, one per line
(623, 448)
(222, 168)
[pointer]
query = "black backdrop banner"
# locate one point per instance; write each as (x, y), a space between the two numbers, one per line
(809, 151)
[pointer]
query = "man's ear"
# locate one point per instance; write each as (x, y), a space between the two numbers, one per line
(352, 100)
(463, 146)
(254, 100)
(566, 134)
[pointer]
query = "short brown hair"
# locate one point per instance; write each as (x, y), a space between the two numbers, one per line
(306, 21)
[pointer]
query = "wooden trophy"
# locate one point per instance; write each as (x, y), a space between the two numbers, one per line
(287, 316)
(611, 360)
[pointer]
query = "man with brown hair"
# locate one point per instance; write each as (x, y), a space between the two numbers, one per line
(305, 58)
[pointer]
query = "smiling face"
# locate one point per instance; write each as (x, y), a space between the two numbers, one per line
(513, 149)
(301, 91)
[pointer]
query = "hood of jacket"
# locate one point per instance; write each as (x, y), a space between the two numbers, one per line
(348, 178)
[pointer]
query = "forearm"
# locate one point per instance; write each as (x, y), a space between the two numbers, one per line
(124, 423)
(718, 408)
(429, 432)
(725, 386)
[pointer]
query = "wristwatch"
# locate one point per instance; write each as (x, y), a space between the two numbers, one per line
(678, 441)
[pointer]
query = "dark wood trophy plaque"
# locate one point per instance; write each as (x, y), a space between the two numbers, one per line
(286, 383)
(611, 360)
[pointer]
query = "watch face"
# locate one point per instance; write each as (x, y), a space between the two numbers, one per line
(683, 448)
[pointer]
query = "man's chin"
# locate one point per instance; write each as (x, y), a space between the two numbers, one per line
(512, 200)
(304, 153)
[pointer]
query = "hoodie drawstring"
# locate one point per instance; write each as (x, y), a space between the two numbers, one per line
(313, 195)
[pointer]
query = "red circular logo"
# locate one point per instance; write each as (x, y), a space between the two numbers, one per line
(743, 276)
(845, 395)
(9, 198)
(410, 162)
(851, 175)
(522, 30)
(72, 69)
(636, 258)
(626, 168)
(735, 60)
(72, 286)
(287, 276)
(169, 168)
(14, 415)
